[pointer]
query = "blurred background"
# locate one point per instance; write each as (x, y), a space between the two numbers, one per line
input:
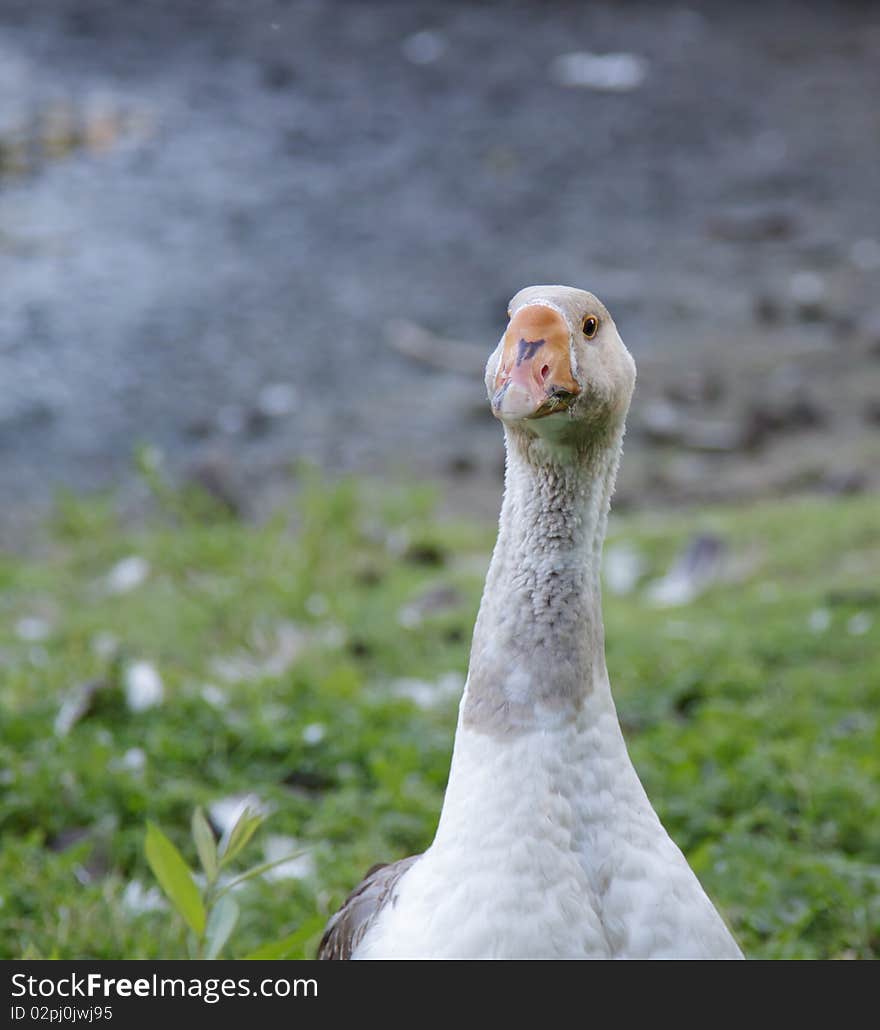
(251, 233)
(241, 240)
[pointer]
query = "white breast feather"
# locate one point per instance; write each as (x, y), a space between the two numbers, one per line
(549, 848)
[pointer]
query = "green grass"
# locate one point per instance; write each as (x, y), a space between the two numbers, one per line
(756, 735)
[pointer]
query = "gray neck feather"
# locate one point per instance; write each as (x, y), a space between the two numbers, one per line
(539, 650)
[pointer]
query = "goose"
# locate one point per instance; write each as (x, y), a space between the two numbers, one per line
(547, 845)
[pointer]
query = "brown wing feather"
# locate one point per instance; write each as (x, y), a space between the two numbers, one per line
(346, 929)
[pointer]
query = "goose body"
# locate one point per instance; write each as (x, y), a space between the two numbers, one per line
(547, 845)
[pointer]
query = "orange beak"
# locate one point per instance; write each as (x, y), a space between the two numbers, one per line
(534, 376)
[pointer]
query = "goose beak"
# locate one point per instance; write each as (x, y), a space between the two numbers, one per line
(535, 377)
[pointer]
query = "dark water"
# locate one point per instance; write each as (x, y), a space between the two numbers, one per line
(202, 200)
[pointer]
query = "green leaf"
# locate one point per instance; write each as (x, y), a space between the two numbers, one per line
(175, 878)
(245, 827)
(206, 846)
(257, 870)
(290, 945)
(275, 950)
(221, 923)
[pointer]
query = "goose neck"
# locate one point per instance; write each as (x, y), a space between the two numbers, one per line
(538, 648)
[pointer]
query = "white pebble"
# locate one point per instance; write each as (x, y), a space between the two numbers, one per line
(143, 686)
(104, 644)
(317, 605)
(807, 287)
(32, 628)
(865, 254)
(314, 733)
(672, 591)
(226, 812)
(819, 620)
(613, 73)
(231, 420)
(72, 709)
(127, 574)
(426, 694)
(622, 568)
(298, 867)
(276, 400)
(450, 684)
(331, 635)
(397, 541)
(409, 616)
(137, 898)
(134, 760)
(420, 692)
(424, 47)
(214, 695)
(859, 624)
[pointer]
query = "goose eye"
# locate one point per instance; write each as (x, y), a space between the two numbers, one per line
(591, 326)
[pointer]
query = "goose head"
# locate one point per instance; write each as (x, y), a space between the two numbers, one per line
(560, 370)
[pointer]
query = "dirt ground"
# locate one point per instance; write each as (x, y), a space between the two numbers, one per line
(251, 233)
